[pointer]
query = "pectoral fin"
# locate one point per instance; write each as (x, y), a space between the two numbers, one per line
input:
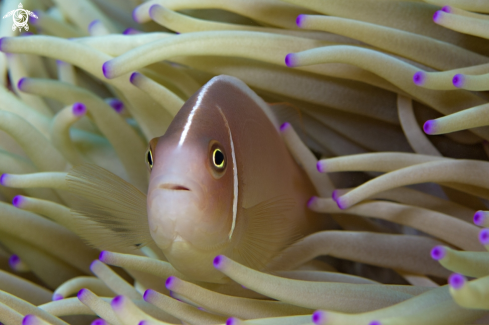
(116, 209)
(268, 231)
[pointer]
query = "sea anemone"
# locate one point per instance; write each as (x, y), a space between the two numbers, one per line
(358, 84)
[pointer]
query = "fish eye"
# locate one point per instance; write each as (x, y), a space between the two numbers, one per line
(149, 159)
(149, 154)
(217, 159)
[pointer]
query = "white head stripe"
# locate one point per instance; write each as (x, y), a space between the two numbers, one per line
(235, 175)
(192, 112)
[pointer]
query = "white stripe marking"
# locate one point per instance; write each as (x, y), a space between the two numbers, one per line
(235, 174)
(200, 97)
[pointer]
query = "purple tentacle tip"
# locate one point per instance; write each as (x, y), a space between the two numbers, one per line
(218, 261)
(300, 19)
(105, 69)
(143, 322)
(17, 201)
(14, 259)
(335, 195)
(117, 301)
(375, 322)
(134, 15)
(232, 321)
(456, 281)
(3, 179)
(152, 9)
(81, 293)
(147, 293)
(289, 60)
(429, 127)
(103, 255)
(169, 282)
(447, 9)
(284, 126)
(340, 202)
(117, 105)
(419, 78)
(34, 20)
(94, 22)
(79, 109)
(437, 16)
(99, 322)
(133, 77)
(21, 82)
(484, 236)
(57, 297)
(3, 41)
(318, 317)
(29, 320)
(438, 253)
(479, 218)
(94, 264)
(319, 166)
(311, 201)
(458, 80)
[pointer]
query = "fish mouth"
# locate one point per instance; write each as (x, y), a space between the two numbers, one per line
(173, 187)
(175, 184)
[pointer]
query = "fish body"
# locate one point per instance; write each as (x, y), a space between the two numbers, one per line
(223, 182)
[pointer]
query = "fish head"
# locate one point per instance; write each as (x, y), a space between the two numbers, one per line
(191, 191)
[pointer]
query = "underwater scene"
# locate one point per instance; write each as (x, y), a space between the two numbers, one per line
(266, 162)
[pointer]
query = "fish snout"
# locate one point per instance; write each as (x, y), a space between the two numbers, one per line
(175, 206)
(181, 210)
